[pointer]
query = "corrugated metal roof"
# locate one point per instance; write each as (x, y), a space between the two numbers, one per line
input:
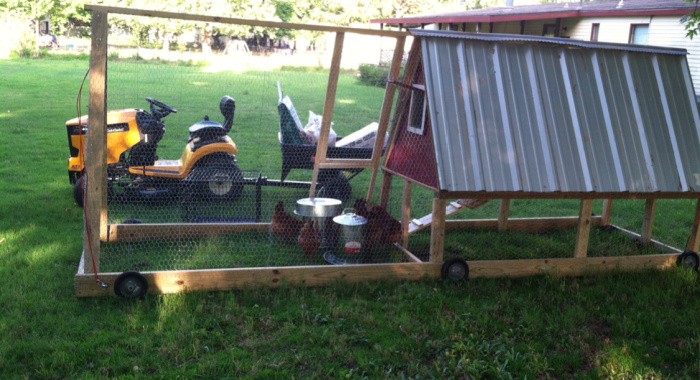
(608, 8)
(550, 115)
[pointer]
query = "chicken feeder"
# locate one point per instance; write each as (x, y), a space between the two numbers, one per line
(352, 238)
(320, 210)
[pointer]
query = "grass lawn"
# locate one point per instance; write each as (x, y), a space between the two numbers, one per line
(638, 325)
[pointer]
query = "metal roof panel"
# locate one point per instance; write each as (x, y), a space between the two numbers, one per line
(510, 115)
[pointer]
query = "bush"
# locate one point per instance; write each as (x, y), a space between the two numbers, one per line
(374, 75)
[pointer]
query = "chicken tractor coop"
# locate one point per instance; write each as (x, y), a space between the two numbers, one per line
(197, 173)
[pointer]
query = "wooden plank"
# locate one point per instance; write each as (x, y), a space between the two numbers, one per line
(385, 113)
(241, 21)
(648, 222)
(694, 240)
(328, 108)
(406, 212)
(409, 254)
(96, 143)
(452, 208)
(141, 232)
(226, 279)
(437, 232)
(339, 163)
(165, 282)
(503, 214)
(657, 244)
(584, 229)
(527, 225)
(607, 212)
(569, 266)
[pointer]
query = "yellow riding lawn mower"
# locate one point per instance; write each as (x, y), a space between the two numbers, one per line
(207, 167)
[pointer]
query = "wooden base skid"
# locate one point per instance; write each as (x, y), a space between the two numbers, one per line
(165, 282)
(569, 266)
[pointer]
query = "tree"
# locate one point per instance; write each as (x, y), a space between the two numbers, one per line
(692, 24)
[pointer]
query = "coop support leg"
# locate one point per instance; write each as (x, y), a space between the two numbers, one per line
(437, 231)
(406, 212)
(386, 190)
(648, 223)
(694, 241)
(584, 228)
(606, 218)
(503, 215)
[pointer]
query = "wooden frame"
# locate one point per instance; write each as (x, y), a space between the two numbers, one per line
(97, 230)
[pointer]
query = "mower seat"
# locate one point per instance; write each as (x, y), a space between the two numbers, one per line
(207, 130)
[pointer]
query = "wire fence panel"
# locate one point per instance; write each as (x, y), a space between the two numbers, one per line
(198, 181)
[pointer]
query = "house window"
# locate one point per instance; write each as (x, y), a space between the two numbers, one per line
(639, 34)
(416, 110)
(594, 32)
(549, 30)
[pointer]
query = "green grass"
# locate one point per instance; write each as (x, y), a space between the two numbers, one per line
(638, 325)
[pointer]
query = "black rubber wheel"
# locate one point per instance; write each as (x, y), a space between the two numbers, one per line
(78, 190)
(688, 259)
(216, 177)
(335, 185)
(131, 285)
(455, 270)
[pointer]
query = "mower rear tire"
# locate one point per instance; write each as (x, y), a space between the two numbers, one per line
(78, 190)
(217, 177)
(334, 184)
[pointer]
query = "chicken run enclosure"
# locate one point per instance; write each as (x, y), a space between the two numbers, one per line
(482, 155)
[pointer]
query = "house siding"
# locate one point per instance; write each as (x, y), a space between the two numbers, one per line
(663, 31)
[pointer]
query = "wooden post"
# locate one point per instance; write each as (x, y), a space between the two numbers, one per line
(694, 240)
(607, 212)
(648, 223)
(386, 189)
(385, 114)
(584, 228)
(95, 147)
(437, 232)
(406, 212)
(322, 146)
(503, 215)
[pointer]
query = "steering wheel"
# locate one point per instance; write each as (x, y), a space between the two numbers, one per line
(163, 109)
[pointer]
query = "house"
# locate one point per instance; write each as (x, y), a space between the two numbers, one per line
(642, 22)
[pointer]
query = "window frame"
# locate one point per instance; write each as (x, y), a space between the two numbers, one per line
(595, 31)
(634, 28)
(410, 123)
(554, 30)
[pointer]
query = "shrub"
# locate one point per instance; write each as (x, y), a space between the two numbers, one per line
(373, 75)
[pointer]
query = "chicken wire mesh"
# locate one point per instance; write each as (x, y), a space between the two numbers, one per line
(209, 152)
(228, 174)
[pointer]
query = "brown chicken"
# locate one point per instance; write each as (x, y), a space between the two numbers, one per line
(309, 239)
(382, 228)
(284, 226)
(360, 207)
